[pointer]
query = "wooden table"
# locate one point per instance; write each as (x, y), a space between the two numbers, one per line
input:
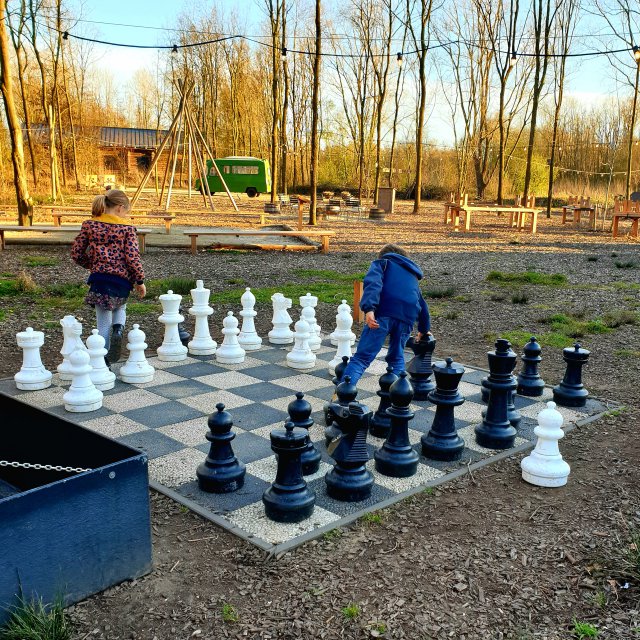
(517, 215)
(634, 216)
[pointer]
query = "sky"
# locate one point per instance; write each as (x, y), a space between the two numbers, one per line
(590, 80)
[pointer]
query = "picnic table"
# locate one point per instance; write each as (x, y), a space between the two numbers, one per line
(575, 208)
(625, 210)
(521, 216)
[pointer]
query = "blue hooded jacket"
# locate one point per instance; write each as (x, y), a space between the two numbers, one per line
(391, 290)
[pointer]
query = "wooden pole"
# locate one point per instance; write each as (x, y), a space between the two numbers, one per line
(190, 172)
(203, 173)
(166, 169)
(175, 160)
(202, 189)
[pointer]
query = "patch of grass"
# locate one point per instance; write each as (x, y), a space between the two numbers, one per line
(452, 314)
(380, 628)
(351, 611)
(571, 327)
(520, 298)
(176, 284)
(619, 317)
(327, 275)
(583, 630)
(332, 534)
(67, 290)
(497, 297)
(9, 287)
(626, 353)
(528, 277)
(39, 261)
(143, 308)
(592, 258)
(26, 284)
(372, 518)
(36, 621)
(625, 264)
(633, 286)
(436, 292)
(229, 613)
(236, 281)
(3, 315)
(600, 599)
(463, 298)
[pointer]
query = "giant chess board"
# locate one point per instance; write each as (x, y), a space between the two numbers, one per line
(167, 419)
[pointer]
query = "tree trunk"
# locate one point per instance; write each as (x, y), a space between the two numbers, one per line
(500, 195)
(285, 105)
(25, 204)
(61, 139)
(314, 120)
(631, 128)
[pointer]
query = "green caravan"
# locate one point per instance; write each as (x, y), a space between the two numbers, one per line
(242, 174)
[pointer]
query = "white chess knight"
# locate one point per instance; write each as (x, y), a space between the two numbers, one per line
(202, 344)
(171, 349)
(344, 310)
(33, 374)
(344, 321)
(545, 467)
(230, 352)
(301, 356)
(82, 395)
(136, 370)
(311, 301)
(281, 333)
(72, 340)
(249, 339)
(100, 375)
(309, 316)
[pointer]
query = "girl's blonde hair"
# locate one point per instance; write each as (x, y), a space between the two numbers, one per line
(113, 198)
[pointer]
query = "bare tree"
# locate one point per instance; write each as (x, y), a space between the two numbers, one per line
(315, 143)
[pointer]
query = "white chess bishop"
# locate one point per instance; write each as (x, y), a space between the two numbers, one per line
(32, 375)
(171, 350)
(301, 356)
(249, 339)
(82, 395)
(102, 378)
(281, 332)
(72, 340)
(230, 351)
(202, 344)
(136, 370)
(344, 321)
(545, 467)
(344, 310)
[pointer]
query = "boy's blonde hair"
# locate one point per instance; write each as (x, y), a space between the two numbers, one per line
(110, 200)
(392, 248)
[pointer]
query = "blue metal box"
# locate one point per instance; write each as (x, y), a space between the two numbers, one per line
(65, 535)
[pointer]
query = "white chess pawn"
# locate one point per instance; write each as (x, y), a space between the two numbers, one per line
(171, 350)
(202, 344)
(343, 310)
(311, 301)
(545, 467)
(33, 375)
(308, 314)
(249, 339)
(281, 333)
(343, 335)
(230, 352)
(301, 356)
(72, 340)
(136, 370)
(82, 395)
(101, 377)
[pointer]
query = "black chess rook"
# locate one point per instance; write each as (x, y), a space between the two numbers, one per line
(381, 421)
(299, 411)
(419, 367)
(571, 392)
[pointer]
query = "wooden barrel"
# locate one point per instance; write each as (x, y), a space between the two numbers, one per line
(272, 207)
(375, 213)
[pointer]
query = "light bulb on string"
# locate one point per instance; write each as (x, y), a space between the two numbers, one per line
(399, 58)
(513, 58)
(174, 49)
(636, 54)
(283, 54)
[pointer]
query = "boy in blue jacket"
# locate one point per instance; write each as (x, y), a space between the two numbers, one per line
(392, 302)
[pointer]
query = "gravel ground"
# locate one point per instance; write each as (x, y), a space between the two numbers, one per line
(485, 557)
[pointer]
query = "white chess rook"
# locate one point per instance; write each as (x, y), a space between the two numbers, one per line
(72, 340)
(33, 375)
(171, 350)
(545, 467)
(343, 310)
(101, 376)
(301, 356)
(311, 301)
(308, 314)
(82, 395)
(344, 321)
(249, 339)
(202, 344)
(230, 352)
(281, 333)
(136, 370)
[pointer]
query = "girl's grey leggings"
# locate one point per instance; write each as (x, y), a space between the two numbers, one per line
(106, 319)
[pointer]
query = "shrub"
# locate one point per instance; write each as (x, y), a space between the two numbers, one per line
(528, 277)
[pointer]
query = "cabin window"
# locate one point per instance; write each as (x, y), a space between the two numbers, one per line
(226, 169)
(243, 170)
(212, 171)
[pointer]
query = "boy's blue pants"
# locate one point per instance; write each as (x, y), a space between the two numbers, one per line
(371, 342)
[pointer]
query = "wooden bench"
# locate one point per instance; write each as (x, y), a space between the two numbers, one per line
(625, 210)
(141, 233)
(57, 216)
(322, 234)
(575, 208)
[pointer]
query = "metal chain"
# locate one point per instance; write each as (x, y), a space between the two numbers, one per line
(44, 467)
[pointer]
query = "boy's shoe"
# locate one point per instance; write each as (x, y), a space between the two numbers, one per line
(115, 343)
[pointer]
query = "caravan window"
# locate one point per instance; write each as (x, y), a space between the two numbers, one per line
(247, 171)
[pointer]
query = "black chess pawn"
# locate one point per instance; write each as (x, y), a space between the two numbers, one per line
(571, 392)
(396, 457)
(419, 367)
(496, 430)
(336, 380)
(346, 393)
(349, 480)
(221, 472)
(183, 334)
(381, 421)
(299, 411)
(443, 442)
(289, 499)
(529, 381)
